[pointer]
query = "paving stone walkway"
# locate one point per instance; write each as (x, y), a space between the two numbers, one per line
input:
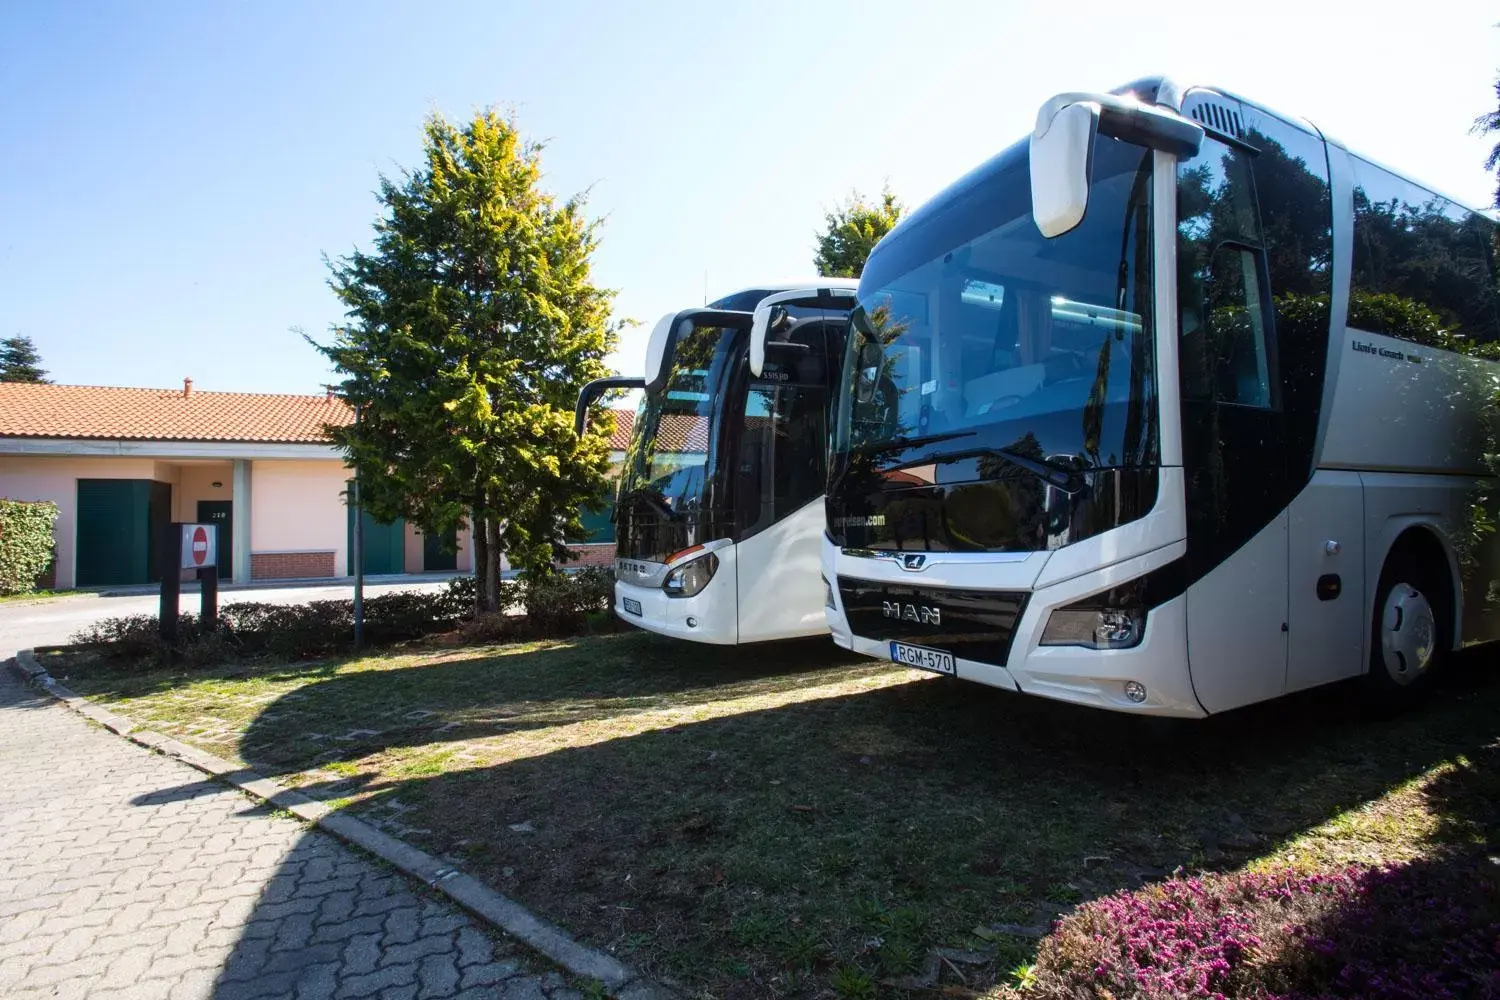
(125, 874)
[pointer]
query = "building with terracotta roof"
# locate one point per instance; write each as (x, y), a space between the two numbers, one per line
(123, 463)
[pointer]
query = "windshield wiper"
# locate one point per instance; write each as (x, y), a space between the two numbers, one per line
(1067, 479)
(893, 444)
(913, 442)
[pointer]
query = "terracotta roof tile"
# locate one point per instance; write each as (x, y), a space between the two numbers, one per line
(624, 423)
(112, 413)
(683, 432)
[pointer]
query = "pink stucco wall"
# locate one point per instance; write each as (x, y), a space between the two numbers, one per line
(45, 477)
(412, 549)
(298, 506)
(196, 482)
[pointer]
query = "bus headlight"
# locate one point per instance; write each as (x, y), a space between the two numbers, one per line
(1099, 626)
(828, 595)
(689, 579)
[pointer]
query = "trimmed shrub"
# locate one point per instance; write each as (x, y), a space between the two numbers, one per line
(555, 607)
(25, 543)
(293, 631)
(1427, 931)
(561, 604)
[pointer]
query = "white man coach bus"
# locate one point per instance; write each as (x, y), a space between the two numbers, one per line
(1158, 410)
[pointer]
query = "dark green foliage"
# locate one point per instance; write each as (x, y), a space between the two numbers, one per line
(558, 604)
(25, 543)
(547, 607)
(852, 232)
(20, 362)
(287, 631)
(473, 323)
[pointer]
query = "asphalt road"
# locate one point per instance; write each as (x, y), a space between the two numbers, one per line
(49, 622)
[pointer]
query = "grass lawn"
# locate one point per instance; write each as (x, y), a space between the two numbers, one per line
(786, 820)
(36, 595)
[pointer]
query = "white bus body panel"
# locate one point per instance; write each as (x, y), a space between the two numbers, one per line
(1327, 637)
(780, 590)
(1392, 412)
(713, 609)
(1236, 623)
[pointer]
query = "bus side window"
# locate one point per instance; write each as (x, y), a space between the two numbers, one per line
(1235, 331)
(1224, 348)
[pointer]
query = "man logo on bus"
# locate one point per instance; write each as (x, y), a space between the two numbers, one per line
(913, 561)
(919, 613)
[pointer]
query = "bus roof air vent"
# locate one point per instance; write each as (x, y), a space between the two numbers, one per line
(1220, 118)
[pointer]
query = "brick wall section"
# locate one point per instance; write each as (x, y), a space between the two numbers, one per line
(291, 565)
(601, 554)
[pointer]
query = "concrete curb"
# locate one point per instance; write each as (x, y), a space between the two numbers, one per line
(464, 890)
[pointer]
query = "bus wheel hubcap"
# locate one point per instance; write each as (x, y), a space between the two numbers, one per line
(1408, 633)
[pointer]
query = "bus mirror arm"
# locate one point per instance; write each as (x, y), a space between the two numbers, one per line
(598, 387)
(1062, 149)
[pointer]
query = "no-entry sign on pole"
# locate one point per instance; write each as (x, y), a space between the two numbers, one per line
(200, 546)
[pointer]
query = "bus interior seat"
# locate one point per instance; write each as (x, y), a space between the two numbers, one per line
(981, 393)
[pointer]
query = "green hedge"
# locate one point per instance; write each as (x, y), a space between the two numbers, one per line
(25, 543)
(558, 606)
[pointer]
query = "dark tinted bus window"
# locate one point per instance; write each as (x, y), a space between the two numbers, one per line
(1223, 348)
(1296, 219)
(784, 439)
(1421, 267)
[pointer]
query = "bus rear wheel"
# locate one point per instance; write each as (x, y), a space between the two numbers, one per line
(1409, 634)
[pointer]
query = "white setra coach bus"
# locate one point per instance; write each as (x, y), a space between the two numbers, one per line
(1170, 408)
(719, 512)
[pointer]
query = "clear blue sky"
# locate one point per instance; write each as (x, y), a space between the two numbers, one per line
(170, 172)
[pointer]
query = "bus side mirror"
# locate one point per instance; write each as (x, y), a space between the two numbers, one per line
(771, 312)
(593, 390)
(1061, 151)
(659, 352)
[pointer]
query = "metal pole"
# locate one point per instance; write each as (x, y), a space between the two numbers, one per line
(171, 583)
(208, 606)
(359, 558)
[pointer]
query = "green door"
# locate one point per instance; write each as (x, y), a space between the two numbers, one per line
(384, 544)
(114, 532)
(599, 527)
(440, 552)
(220, 513)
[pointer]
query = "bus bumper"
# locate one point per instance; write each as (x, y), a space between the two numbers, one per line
(709, 616)
(1096, 678)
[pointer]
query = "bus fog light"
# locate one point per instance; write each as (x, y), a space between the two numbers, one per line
(691, 577)
(1094, 628)
(1135, 691)
(692, 622)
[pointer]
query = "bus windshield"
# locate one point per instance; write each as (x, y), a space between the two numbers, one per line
(666, 466)
(973, 330)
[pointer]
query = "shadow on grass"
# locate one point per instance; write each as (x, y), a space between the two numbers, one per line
(511, 689)
(747, 851)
